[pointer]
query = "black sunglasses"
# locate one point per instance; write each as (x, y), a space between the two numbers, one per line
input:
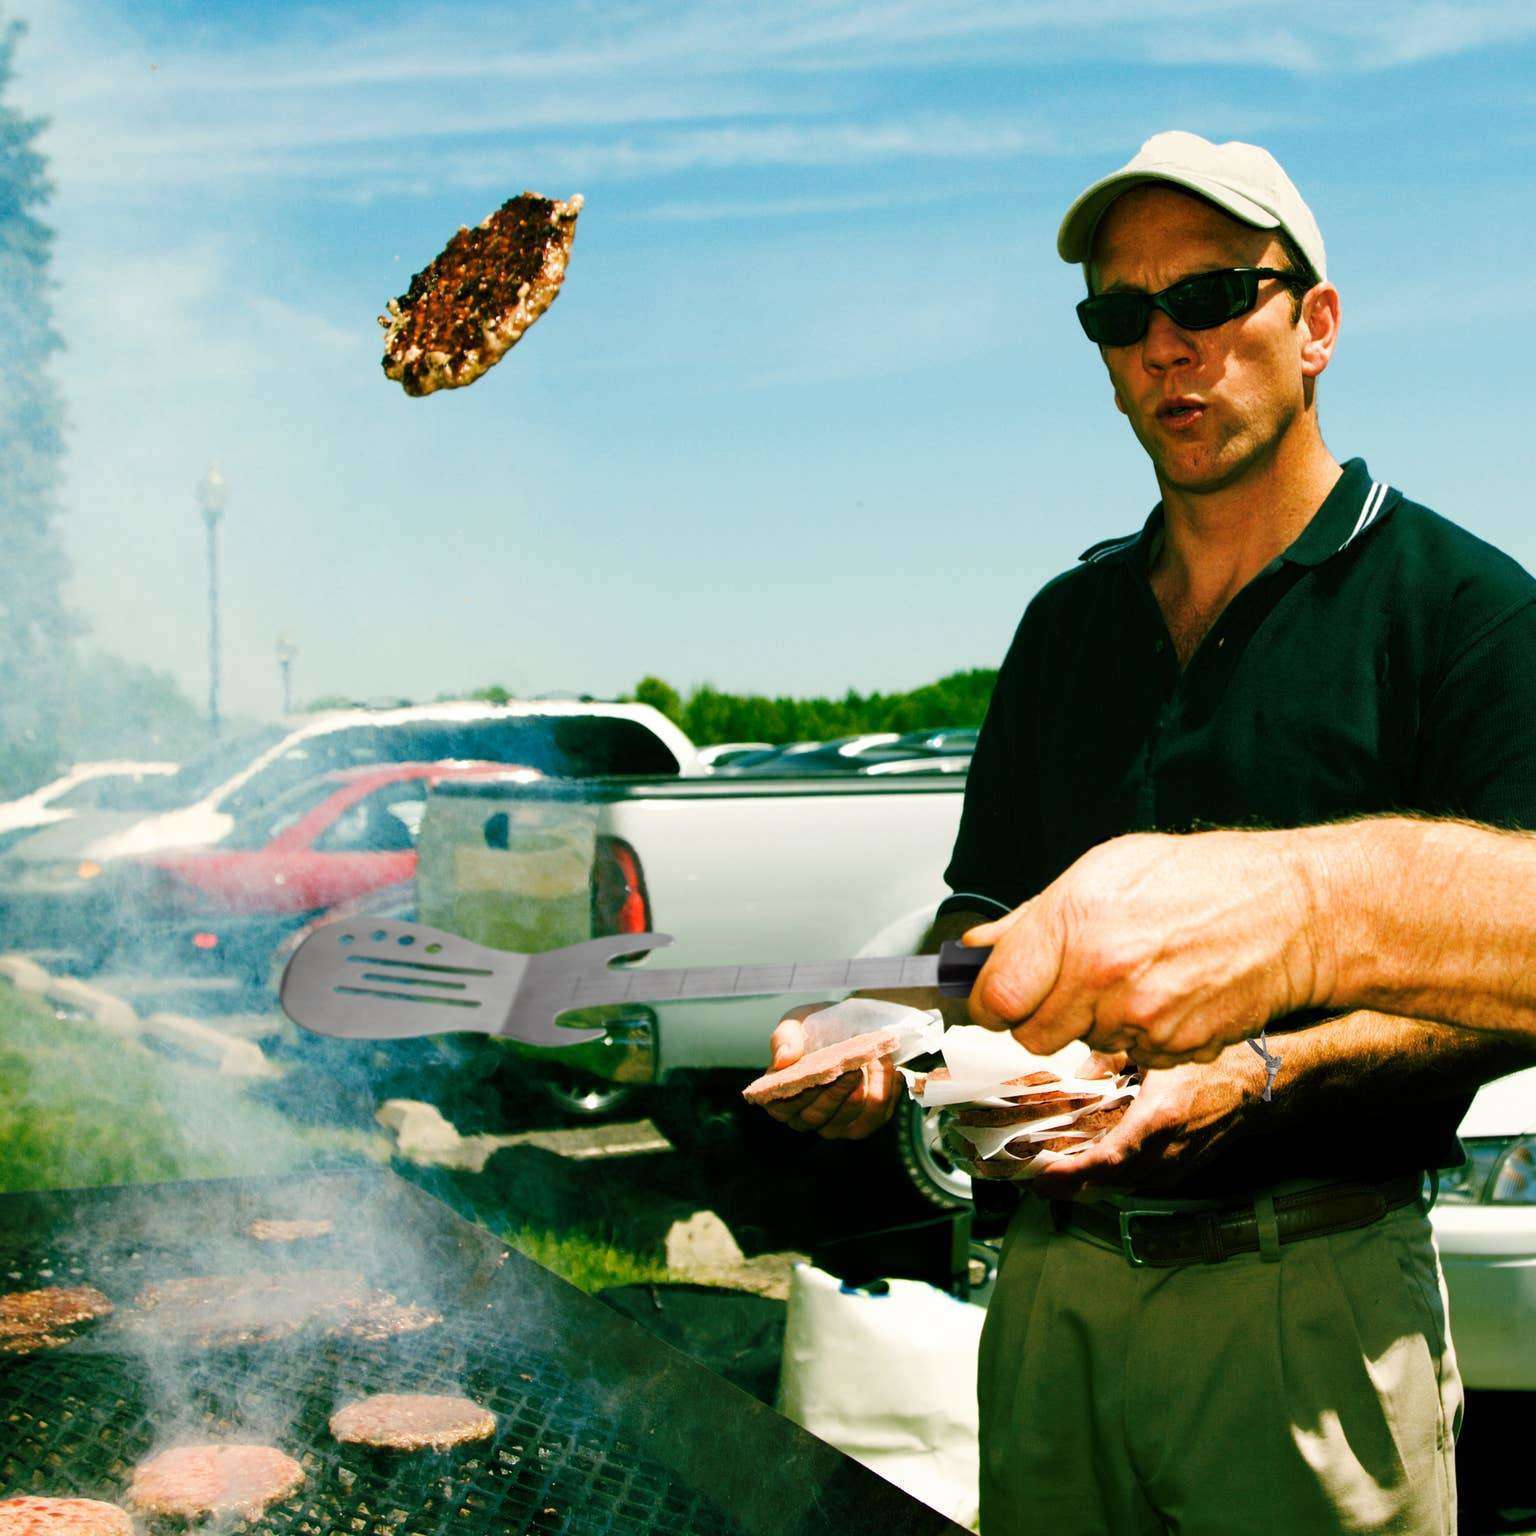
(1193, 304)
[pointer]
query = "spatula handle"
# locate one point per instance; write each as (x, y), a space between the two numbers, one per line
(959, 966)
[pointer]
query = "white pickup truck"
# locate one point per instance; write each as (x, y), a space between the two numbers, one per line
(748, 869)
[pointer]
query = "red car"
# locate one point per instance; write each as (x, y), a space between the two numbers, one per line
(330, 840)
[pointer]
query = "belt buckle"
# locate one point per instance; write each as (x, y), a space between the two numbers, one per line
(1127, 1242)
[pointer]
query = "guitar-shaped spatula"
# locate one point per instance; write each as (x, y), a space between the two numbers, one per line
(372, 979)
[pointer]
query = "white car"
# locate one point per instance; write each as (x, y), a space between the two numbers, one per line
(728, 751)
(1485, 1223)
(85, 787)
(563, 739)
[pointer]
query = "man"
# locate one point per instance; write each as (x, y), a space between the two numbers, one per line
(1171, 948)
(1286, 641)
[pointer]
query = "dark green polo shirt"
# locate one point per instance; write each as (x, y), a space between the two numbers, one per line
(1385, 662)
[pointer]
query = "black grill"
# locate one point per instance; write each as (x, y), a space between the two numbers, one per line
(601, 1428)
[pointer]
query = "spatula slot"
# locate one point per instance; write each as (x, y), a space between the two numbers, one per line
(415, 981)
(417, 965)
(412, 997)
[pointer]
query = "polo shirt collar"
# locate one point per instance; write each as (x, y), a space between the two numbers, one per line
(1355, 503)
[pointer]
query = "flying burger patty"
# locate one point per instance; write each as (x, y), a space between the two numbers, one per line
(466, 310)
(406, 1421)
(194, 1480)
(33, 1515)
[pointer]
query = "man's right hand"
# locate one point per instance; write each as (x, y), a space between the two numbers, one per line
(1168, 947)
(850, 1107)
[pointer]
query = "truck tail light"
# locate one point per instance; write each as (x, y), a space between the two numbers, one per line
(620, 903)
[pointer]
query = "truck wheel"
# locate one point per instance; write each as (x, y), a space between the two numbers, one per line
(927, 1169)
(581, 1097)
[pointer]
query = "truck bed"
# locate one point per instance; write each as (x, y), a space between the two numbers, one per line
(737, 870)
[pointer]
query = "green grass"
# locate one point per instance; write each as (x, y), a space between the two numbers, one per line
(587, 1259)
(79, 1107)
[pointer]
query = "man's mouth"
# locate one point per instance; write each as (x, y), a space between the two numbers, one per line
(1182, 411)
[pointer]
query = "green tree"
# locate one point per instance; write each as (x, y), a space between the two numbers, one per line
(117, 708)
(660, 695)
(709, 715)
(35, 628)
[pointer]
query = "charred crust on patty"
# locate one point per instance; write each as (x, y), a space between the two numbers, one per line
(44, 1515)
(462, 313)
(412, 1421)
(48, 1318)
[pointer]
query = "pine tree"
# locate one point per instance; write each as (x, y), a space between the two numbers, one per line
(36, 630)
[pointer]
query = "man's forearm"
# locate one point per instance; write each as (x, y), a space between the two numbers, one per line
(1433, 919)
(1327, 1066)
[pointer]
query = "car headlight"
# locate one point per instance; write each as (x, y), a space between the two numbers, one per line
(1514, 1175)
(1499, 1170)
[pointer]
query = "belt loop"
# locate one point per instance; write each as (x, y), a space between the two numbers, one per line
(1427, 1201)
(1269, 1228)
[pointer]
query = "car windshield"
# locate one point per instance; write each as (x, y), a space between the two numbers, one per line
(557, 746)
(261, 824)
(208, 769)
(112, 792)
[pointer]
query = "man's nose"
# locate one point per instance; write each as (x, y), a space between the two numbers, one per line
(1165, 345)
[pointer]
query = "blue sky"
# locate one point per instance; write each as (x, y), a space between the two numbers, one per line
(812, 411)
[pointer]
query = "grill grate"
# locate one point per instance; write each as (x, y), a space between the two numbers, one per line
(600, 1428)
(78, 1422)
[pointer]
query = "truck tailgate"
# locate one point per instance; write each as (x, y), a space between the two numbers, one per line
(506, 869)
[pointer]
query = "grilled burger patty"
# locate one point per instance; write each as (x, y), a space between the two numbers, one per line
(267, 1230)
(32, 1515)
(56, 1306)
(220, 1311)
(463, 313)
(33, 1319)
(387, 1318)
(412, 1421)
(194, 1480)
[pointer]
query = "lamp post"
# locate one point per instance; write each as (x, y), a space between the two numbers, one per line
(286, 651)
(212, 496)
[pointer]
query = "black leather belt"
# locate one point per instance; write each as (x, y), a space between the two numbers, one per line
(1168, 1237)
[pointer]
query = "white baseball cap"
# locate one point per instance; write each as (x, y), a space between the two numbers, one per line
(1241, 178)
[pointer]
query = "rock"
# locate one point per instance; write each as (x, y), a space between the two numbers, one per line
(702, 1245)
(229, 1056)
(423, 1136)
(111, 1013)
(23, 973)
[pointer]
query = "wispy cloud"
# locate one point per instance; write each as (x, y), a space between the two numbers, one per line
(234, 182)
(624, 90)
(710, 211)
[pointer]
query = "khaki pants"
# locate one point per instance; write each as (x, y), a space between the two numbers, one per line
(1315, 1394)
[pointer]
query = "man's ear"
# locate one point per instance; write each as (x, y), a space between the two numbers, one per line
(1320, 322)
(1120, 404)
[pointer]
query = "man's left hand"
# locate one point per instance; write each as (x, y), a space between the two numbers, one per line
(1182, 1118)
